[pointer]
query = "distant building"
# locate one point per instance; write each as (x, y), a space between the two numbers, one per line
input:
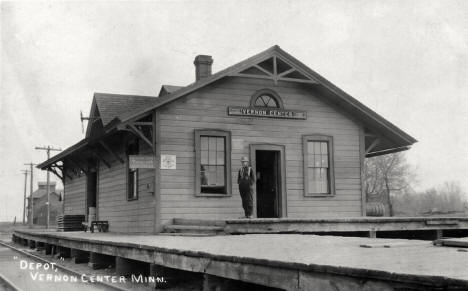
(40, 203)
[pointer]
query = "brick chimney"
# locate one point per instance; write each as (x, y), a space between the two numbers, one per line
(202, 66)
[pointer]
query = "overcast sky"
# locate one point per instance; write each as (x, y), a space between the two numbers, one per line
(407, 60)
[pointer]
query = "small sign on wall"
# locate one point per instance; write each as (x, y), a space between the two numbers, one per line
(168, 162)
(141, 162)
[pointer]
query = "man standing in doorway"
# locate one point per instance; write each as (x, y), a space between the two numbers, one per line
(246, 180)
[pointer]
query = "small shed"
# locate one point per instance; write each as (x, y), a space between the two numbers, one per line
(148, 159)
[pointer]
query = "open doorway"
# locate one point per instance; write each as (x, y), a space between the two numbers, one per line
(268, 183)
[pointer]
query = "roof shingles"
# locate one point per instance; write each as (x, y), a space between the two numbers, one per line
(111, 106)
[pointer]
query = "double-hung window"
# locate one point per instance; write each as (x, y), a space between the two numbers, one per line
(213, 162)
(318, 165)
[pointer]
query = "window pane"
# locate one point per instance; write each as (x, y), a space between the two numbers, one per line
(220, 151)
(204, 157)
(212, 151)
(204, 143)
(220, 144)
(210, 177)
(318, 161)
(324, 161)
(259, 102)
(220, 175)
(324, 180)
(310, 147)
(310, 160)
(220, 159)
(324, 148)
(203, 177)
(314, 180)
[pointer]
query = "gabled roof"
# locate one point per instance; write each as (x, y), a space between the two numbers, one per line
(333, 94)
(111, 106)
(115, 109)
(108, 108)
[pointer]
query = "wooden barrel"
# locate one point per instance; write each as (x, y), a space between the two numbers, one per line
(375, 209)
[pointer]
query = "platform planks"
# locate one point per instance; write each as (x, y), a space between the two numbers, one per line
(412, 262)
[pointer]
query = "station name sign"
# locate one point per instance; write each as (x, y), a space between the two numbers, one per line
(141, 162)
(267, 112)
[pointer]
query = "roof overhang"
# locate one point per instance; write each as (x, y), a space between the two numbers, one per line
(60, 156)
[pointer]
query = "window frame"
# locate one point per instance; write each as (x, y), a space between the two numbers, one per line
(128, 171)
(227, 161)
(331, 164)
(270, 93)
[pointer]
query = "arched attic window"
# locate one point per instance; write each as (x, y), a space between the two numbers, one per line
(266, 98)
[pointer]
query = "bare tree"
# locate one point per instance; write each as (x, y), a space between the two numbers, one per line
(387, 173)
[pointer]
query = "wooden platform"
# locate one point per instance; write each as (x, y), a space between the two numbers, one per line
(287, 261)
(365, 224)
(428, 228)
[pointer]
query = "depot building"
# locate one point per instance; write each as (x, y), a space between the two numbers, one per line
(148, 159)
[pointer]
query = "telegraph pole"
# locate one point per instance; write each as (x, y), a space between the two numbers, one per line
(31, 202)
(48, 149)
(25, 172)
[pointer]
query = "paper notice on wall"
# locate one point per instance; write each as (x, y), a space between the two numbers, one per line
(168, 162)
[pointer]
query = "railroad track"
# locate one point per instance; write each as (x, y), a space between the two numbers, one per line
(7, 285)
(13, 279)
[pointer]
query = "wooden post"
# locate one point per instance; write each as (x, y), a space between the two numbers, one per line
(31, 202)
(24, 199)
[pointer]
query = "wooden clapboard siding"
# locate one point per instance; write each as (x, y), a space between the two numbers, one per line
(207, 109)
(133, 216)
(74, 194)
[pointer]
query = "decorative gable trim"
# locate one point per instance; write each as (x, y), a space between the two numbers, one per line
(276, 68)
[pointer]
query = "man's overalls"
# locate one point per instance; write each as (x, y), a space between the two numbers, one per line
(246, 180)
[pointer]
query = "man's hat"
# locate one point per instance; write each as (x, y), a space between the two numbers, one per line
(244, 159)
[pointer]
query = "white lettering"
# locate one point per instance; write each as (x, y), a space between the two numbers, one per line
(23, 264)
(33, 275)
